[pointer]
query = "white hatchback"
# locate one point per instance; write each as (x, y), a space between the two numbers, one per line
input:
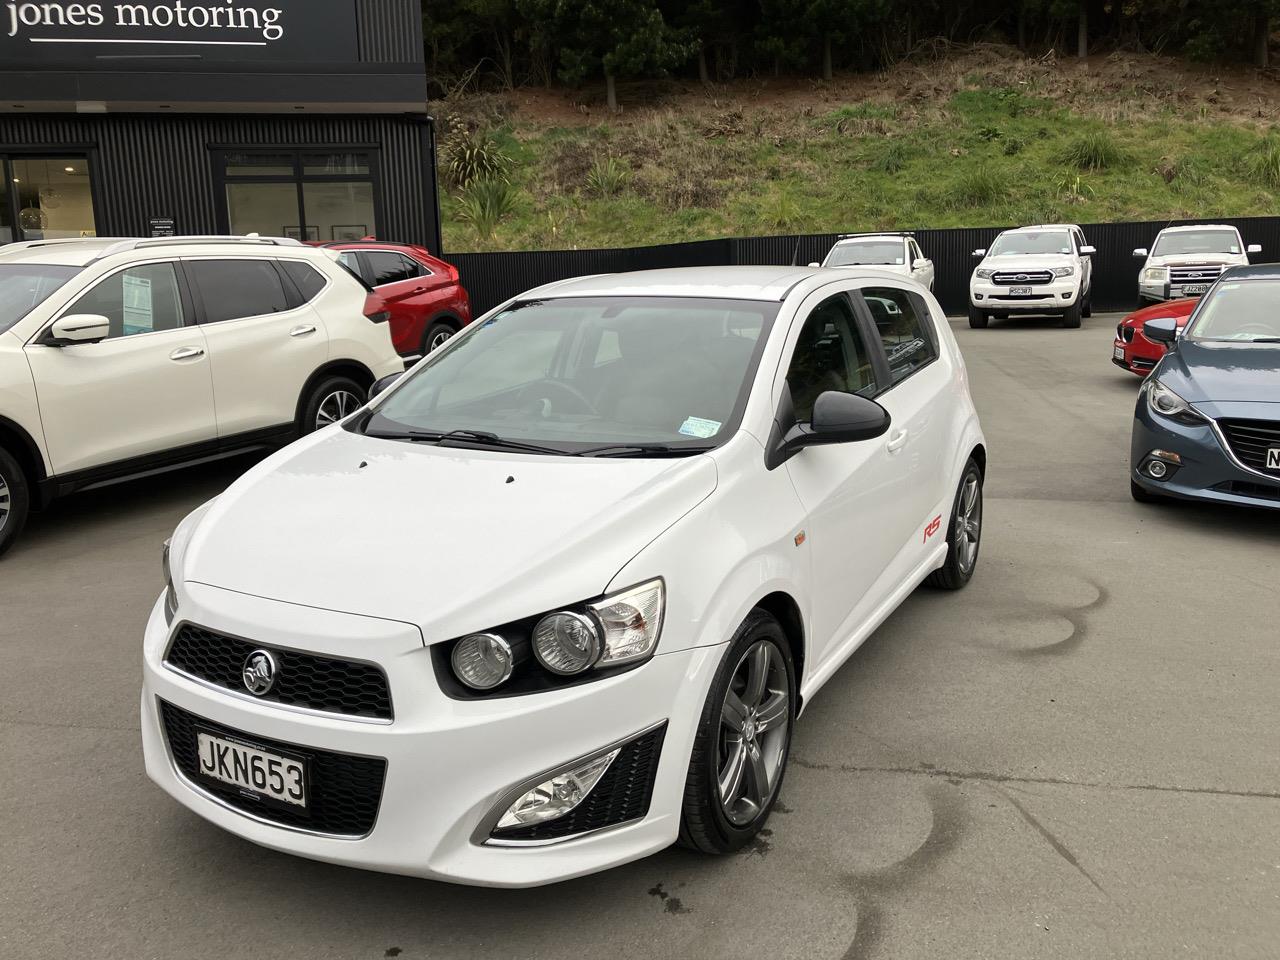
(120, 358)
(554, 599)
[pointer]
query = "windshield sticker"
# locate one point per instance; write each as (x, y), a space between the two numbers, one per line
(698, 427)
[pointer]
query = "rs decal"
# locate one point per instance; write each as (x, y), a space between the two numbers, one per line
(932, 528)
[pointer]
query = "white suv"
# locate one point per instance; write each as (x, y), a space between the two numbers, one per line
(895, 252)
(665, 508)
(124, 357)
(1185, 261)
(1033, 270)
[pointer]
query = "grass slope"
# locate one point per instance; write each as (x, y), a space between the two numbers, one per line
(985, 137)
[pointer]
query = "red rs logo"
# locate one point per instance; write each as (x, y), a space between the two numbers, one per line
(932, 528)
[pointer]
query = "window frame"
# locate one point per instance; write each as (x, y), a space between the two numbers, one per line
(190, 310)
(928, 327)
(367, 256)
(863, 326)
(292, 295)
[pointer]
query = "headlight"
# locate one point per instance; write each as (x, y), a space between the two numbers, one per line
(1154, 274)
(631, 621)
(483, 660)
(1166, 403)
(983, 273)
(1063, 271)
(170, 594)
(566, 643)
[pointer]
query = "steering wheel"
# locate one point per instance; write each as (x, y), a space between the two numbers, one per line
(565, 389)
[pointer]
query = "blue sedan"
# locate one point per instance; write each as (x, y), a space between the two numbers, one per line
(1207, 424)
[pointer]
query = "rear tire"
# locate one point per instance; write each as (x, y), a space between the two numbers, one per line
(331, 400)
(964, 532)
(760, 739)
(436, 336)
(1071, 317)
(15, 500)
(977, 318)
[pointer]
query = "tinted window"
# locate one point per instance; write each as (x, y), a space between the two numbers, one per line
(232, 289)
(305, 277)
(901, 319)
(24, 286)
(830, 355)
(391, 267)
(140, 299)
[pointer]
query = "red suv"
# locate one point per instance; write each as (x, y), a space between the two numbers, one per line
(427, 303)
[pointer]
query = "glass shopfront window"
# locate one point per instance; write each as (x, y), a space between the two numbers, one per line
(45, 198)
(317, 196)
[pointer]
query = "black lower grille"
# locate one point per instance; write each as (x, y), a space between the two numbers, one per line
(1242, 488)
(347, 687)
(622, 795)
(1252, 440)
(344, 792)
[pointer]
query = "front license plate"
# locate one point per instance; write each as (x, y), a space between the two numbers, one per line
(1020, 291)
(261, 773)
(1273, 458)
(1194, 289)
(1118, 353)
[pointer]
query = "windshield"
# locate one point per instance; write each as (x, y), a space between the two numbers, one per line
(867, 252)
(1028, 242)
(576, 374)
(1242, 311)
(1196, 241)
(24, 286)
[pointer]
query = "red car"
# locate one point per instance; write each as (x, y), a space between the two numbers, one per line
(427, 303)
(1132, 350)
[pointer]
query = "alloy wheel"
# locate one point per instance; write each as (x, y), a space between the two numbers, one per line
(968, 524)
(336, 406)
(439, 339)
(6, 502)
(754, 721)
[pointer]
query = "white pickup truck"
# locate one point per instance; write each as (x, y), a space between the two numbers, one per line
(1033, 270)
(1185, 261)
(896, 252)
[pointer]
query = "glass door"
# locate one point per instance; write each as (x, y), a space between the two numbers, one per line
(46, 198)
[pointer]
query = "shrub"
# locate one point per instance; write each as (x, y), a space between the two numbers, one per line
(1092, 151)
(473, 156)
(1072, 188)
(608, 176)
(1013, 146)
(976, 188)
(891, 159)
(1263, 163)
(484, 204)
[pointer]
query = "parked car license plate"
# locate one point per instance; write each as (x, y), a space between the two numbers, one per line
(1192, 289)
(1118, 353)
(1020, 291)
(264, 773)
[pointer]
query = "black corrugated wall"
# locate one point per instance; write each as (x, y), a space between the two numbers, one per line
(157, 165)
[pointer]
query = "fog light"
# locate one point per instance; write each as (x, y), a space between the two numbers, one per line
(977, 296)
(482, 661)
(556, 796)
(1066, 296)
(1156, 469)
(566, 643)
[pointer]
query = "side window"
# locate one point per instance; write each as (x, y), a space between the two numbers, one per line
(902, 320)
(914, 251)
(389, 267)
(140, 299)
(305, 277)
(232, 289)
(830, 355)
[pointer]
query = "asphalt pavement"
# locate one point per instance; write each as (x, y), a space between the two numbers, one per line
(1077, 756)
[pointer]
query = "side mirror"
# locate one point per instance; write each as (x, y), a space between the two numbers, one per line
(814, 263)
(381, 385)
(1088, 251)
(1253, 248)
(845, 418)
(980, 252)
(1140, 252)
(919, 264)
(1161, 330)
(79, 328)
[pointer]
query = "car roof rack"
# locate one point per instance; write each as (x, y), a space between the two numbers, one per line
(877, 233)
(138, 243)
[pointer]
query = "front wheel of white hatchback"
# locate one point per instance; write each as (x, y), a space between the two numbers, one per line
(744, 738)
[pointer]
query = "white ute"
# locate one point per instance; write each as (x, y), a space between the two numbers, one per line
(895, 252)
(1186, 261)
(553, 600)
(1043, 270)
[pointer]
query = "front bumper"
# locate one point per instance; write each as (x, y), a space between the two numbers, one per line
(1208, 472)
(1164, 290)
(1137, 356)
(1054, 297)
(448, 762)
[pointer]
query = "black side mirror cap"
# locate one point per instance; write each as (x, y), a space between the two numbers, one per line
(1162, 329)
(380, 385)
(837, 418)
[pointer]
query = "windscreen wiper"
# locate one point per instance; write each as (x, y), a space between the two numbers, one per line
(478, 438)
(640, 450)
(1265, 340)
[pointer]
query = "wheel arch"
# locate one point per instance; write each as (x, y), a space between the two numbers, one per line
(783, 607)
(979, 454)
(23, 447)
(353, 369)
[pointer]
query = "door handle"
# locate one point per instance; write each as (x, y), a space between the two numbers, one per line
(897, 441)
(303, 330)
(186, 353)
(419, 289)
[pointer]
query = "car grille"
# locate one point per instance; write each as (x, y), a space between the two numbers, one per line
(1205, 274)
(622, 795)
(1251, 439)
(1125, 333)
(344, 687)
(1259, 491)
(344, 790)
(1010, 277)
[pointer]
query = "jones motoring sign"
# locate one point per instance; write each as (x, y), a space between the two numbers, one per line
(228, 30)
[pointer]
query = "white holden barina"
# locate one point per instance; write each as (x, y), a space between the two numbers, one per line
(595, 553)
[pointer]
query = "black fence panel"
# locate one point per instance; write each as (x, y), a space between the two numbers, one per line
(492, 278)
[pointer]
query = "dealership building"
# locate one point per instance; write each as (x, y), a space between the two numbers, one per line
(302, 118)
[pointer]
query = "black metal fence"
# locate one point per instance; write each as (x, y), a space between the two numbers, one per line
(492, 278)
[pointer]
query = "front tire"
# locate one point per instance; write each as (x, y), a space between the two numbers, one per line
(15, 500)
(1071, 316)
(744, 737)
(977, 318)
(1086, 308)
(331, 400)
(964, 535)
